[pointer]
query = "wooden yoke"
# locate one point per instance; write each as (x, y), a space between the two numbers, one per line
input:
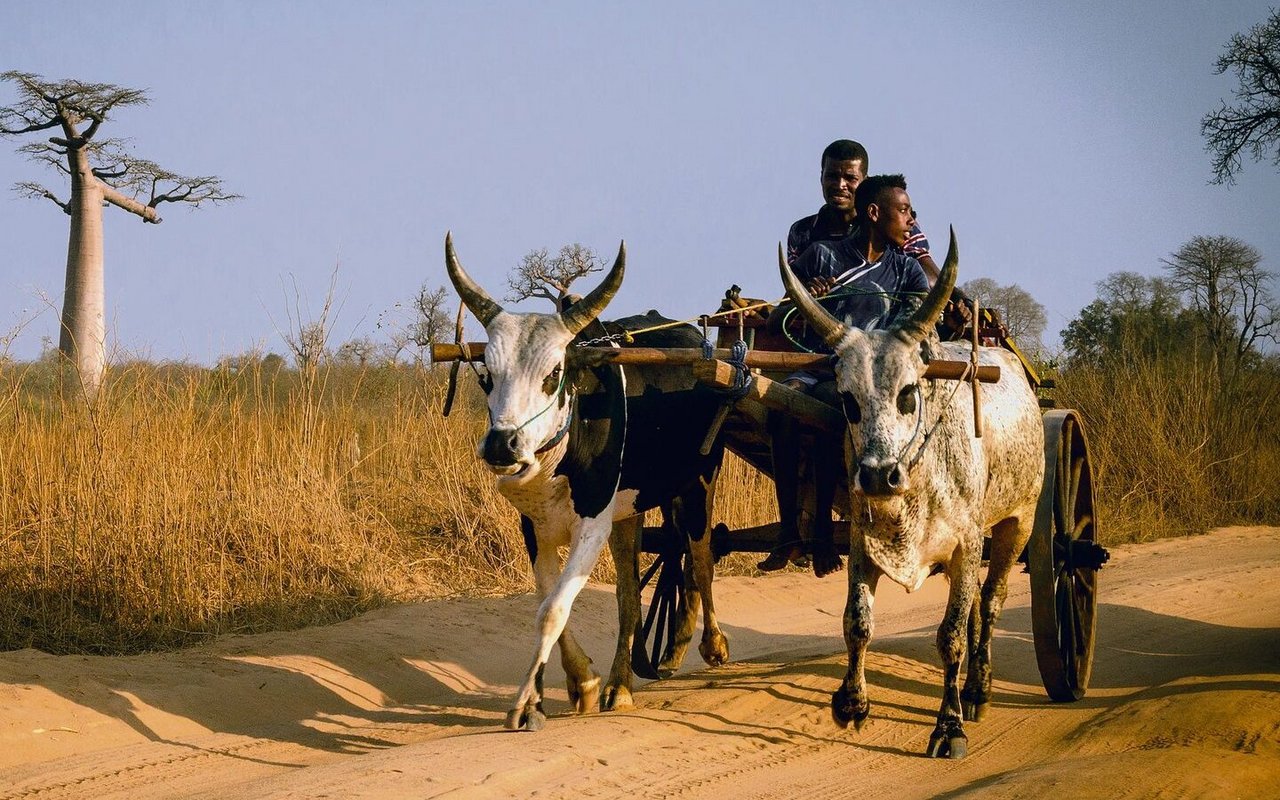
(768, 360)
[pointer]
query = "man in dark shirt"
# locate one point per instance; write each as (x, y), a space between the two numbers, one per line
(868, 283)
(844, 165)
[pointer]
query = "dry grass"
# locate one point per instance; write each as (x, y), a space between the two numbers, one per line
(191, 502)
(1175, 454)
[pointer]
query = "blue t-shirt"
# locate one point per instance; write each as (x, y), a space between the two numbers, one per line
(828, 225)
(866, 295)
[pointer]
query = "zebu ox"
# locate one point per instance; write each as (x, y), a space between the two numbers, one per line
(924, 489)
(577, 445)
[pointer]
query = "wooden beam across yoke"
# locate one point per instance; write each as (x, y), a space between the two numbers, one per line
(768, 360)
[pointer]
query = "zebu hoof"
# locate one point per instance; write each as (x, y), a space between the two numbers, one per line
(973, 711)
(529, 719)
(671, 661)
(948, 740)
(844, 710)
(616, 698)
(585, 695)
(974, 702)
(714, 648)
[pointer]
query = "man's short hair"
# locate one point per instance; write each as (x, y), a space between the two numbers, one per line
(846, 150)
(869, 191)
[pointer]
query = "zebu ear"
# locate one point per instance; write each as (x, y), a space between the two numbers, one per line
(591, 306)
(824, 324)
(916, 329)
(476, 299)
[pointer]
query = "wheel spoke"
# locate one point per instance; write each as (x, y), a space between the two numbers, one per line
(1077, 466)
(1083, 521)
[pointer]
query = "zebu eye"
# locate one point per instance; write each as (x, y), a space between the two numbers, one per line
(486, 381)
(851, 410)
(907, 399)
(552, 382)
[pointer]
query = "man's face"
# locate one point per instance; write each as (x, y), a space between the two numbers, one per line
(839, 179)
(892, 215)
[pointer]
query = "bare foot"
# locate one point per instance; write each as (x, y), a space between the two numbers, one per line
(780, 556)
(825, 559)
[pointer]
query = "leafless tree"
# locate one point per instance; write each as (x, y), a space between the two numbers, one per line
(100, 171)
(307, 335)
(421, 322)
(1022, 314)
(359, 352)
(543, 275)
(1252, 125)
(1225, 284)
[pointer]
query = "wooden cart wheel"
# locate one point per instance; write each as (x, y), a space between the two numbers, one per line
(1063, 557)
(661, 621)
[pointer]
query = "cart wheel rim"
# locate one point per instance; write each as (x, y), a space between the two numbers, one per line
(1064, 584)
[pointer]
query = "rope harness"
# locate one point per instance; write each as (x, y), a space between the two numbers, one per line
(485, 380)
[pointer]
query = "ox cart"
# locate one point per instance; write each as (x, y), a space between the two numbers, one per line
(746, 362)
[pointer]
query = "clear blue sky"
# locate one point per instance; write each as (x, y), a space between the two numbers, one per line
(1060, 139)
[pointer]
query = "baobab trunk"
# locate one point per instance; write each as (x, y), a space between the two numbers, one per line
(83, 338)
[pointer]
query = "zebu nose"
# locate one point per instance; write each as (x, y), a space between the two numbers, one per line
(881, 480)
(499, 449)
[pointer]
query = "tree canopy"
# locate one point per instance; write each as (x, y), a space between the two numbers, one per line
(75, 110)
(1252, 124)
(542, 275)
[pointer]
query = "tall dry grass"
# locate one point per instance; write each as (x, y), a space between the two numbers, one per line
(187, 502)
(1173, 451)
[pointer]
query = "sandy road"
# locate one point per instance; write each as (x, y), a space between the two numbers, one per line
(408, 702)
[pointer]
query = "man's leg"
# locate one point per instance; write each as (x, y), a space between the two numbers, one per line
(785, 450)
(828, 460)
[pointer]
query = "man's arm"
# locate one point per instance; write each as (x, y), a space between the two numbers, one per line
(917, 246)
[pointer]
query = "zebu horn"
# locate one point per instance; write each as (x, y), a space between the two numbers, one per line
(581, 313)
(477, 300)
(824, 323)
(917, 327)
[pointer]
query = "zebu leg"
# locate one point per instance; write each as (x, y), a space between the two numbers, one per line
(849, 703)
(690, 599)
(561, 588)
(624, 545)
(694, 513)
(948, 737)
(582, 682)
(1008, 538)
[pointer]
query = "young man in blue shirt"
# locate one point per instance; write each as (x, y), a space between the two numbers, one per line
(844, 165)
(871, 283)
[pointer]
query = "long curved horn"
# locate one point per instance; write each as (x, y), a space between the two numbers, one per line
(917, 327)
(476, 299)
(581, 313)
(824, 323)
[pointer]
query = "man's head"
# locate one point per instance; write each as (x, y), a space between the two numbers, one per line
(844, 165)
(883, 204)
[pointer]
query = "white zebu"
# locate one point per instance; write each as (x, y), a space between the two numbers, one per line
(925, 489)
(572, 475)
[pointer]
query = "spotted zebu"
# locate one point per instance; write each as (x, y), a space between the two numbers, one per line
(579, 445)
(924, 490)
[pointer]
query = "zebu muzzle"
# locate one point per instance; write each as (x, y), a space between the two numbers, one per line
(500, 449)
(881, 480)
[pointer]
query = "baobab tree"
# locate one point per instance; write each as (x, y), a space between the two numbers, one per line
(101, 172)
(542, 275)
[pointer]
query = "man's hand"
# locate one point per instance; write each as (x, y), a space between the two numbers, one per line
(957, 316)
(914, 246)
(819, 286)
